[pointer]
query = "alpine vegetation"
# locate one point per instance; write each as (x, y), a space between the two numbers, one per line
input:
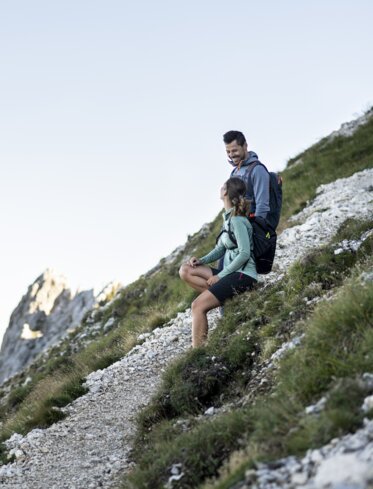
(281, 394)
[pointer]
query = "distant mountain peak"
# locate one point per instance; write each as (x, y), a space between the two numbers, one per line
(46, 313)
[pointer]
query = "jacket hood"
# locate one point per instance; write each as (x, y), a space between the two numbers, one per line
(251, 157)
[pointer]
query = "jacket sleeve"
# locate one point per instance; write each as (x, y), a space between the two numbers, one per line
(243, 244)
(214, 254)
(260, 180)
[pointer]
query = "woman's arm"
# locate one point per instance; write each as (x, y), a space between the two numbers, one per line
(241, 234)
(214, 254)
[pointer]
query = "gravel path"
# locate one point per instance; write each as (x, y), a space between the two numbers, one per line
(89, 449)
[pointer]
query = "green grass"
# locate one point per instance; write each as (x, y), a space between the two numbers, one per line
(201, 452)
(251, 329)
(144, 305)
(250, 321)
(338, 337)
(336, 350)
(336, 346)
(342, 414)
(323, 163)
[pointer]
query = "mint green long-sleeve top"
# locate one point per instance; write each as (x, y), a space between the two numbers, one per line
(236, 258)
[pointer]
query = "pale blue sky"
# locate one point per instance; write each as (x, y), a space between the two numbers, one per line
(112, 113)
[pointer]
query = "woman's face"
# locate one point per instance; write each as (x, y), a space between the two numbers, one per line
(223, 191)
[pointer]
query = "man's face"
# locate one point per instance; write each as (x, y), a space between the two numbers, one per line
(235, 152)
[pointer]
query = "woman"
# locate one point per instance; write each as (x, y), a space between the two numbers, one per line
(239, 272)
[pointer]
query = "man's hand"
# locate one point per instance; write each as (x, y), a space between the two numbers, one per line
(213, 280)
(194, 262)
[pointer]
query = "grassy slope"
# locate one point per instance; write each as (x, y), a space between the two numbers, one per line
(337, 338)
(323, 163)
(151, 301)
(145, 304)
(250, 330)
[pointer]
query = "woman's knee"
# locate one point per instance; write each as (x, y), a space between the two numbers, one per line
(197, 305)
(184, 271)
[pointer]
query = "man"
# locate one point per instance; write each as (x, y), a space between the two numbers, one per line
(256, 179)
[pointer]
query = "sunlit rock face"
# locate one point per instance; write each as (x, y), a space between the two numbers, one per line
(45, 314)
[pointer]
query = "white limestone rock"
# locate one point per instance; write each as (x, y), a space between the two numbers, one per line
(318, 222)
(46, 313)
(343, 469)
(347, 129)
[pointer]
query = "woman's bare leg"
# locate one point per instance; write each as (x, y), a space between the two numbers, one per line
(200, 307)
(196, 277)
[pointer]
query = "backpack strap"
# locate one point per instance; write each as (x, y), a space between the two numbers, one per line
(251, 168)
(230, 234)
(253, 165)
(232, 238)
(247, 178)
(275, 192)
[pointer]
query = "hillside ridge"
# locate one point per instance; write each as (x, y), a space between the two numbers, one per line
(81, 448)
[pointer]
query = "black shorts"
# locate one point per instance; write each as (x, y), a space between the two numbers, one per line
(231, 285)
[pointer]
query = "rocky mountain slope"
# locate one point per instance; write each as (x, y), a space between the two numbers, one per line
(90, 447)
(46, 313)
(205, 416)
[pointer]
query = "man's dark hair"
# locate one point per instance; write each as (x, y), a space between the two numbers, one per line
(231, 136)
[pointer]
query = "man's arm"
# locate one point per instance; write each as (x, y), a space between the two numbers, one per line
(260, 180)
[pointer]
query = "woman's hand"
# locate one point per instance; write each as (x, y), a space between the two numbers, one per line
(213, 280)
(194, 262)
